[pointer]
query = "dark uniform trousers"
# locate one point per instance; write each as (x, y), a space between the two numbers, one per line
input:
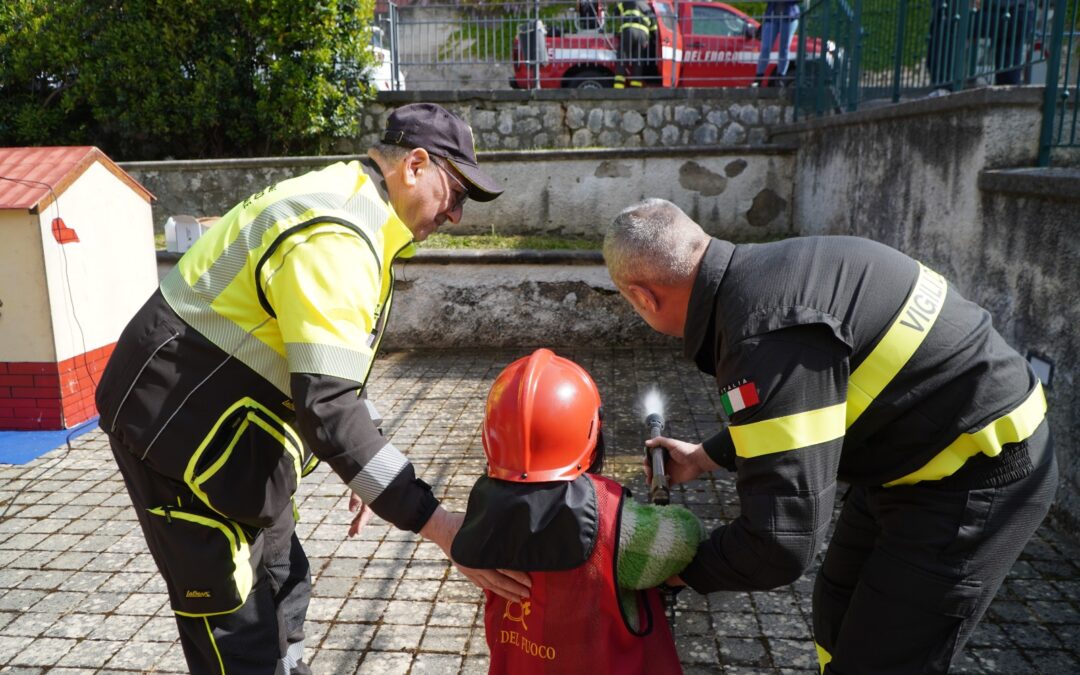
(266, 634)
(911, 569)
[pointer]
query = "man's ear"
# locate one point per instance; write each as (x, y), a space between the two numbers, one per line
(643, 298)
(414, 163)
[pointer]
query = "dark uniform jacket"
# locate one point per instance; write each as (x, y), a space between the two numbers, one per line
(839, 357)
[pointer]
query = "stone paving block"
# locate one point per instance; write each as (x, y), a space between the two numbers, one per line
(1002, 660)
(445, 639)
(90, 653)
(348, 636)
(454, 614)
(696, 648)
(172, 661)
(19, 599)
(407, 612)
(743, 651)
(157, 629)
(793, 653)
(385, 663)
(43, 652)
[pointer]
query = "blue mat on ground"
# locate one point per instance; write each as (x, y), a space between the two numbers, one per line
(20, 447)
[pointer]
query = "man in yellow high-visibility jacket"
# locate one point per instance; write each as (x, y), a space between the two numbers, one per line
(248, 366)
(839, 358)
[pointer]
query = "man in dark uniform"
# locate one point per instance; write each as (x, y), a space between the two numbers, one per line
(636, 24)
(838, 357)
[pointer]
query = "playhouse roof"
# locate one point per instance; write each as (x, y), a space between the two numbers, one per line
(31, 178)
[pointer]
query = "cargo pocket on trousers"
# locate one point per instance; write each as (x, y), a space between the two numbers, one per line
(248, 467)
(922, 612)
(209, 562)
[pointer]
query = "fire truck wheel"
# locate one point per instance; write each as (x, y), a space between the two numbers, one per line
(591, 78)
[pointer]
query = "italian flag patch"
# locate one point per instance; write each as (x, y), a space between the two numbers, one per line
(739, 398)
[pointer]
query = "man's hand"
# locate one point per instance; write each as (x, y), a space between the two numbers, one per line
(688, 461)
(363, 514)
(443, 526)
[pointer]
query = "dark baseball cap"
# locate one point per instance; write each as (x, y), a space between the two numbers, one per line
(443, 134)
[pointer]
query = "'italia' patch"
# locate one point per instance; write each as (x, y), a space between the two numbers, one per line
(740, 396)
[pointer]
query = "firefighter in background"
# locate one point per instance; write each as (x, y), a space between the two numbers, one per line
(590, 14)
(249, 364)
(841, 358)
(594, 554)
(636, 24)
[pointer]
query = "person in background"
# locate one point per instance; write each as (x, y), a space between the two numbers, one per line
(839, 358)
(778, 25)
(636, 24)
(594, 555)
(590, 14)
(1009, 24)
(249, 365)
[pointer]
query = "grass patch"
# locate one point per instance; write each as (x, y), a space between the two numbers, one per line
(498, 241)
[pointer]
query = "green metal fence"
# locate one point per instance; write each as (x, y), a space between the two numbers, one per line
(882, 50)
(1060, 105)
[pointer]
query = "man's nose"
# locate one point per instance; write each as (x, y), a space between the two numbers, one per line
(454, 214)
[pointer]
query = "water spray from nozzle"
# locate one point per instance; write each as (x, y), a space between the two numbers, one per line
(654, 412)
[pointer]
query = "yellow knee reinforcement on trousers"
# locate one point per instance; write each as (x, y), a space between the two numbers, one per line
(823, 657)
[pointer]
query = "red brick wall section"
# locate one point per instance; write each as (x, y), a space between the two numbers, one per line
(50, 396)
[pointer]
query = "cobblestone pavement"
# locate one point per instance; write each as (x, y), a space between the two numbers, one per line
(79, 593)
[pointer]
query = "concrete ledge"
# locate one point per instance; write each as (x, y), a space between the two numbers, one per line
(488, 156)
(1058, 183)
(980, 98)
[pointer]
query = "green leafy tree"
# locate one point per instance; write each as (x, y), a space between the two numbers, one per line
(146, 79)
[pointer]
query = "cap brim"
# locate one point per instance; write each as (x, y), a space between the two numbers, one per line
(482, 187)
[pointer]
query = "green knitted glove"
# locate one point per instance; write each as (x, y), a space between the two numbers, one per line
(655, 542)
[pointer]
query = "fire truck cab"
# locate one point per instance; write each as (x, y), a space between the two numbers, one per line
(698, 43)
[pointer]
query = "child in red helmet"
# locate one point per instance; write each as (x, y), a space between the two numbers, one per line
(594, 556)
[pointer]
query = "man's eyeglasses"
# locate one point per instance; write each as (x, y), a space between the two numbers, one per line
(463, 196)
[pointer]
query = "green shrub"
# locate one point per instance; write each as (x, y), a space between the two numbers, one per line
(147, 79)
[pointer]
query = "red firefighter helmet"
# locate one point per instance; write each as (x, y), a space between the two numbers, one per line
(542, 421)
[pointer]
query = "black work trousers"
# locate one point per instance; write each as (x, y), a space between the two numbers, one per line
(911, 569)
(266, 634)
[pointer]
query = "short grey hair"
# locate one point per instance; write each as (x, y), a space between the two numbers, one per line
(392, 153)
(653, 241)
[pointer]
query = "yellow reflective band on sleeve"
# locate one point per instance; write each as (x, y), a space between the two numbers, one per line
(791, 432)
(908, 331)
(823, 657)
(1013, 427)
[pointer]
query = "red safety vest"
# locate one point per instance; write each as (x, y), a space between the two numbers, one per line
(572, 623)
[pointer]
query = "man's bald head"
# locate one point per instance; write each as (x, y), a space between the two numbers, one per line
(653, 242)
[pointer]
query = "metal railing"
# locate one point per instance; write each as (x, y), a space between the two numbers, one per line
(1060, 105)
(559, 44)
(894, 49)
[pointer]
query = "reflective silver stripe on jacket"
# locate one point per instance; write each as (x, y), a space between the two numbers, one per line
(293, 655)
(228, 336)
(348, 364)
(370, 482)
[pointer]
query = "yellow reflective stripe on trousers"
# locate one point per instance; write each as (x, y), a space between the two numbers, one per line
(892, 353)
(823, 657)
(1013, 427)
(790, 432)
(213, 643)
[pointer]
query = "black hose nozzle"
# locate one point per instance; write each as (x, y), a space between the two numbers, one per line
(658, 486)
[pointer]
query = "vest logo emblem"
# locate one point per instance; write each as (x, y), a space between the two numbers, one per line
(523, 611)
(191, 593)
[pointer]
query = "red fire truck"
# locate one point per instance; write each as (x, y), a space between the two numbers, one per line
(698, 44)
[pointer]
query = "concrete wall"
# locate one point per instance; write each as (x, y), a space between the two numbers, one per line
(931, 178)
(741, 192)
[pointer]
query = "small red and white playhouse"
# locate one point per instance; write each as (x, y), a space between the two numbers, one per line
(76, 261)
